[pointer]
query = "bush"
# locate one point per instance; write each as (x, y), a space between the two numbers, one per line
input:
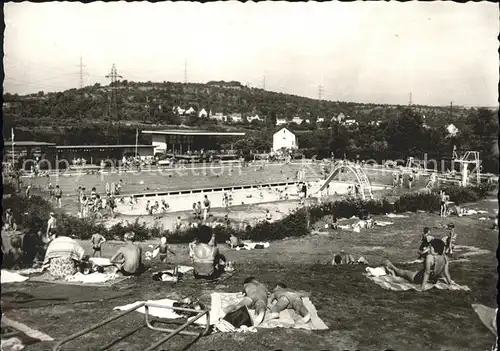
(472, 193)
(417, 201)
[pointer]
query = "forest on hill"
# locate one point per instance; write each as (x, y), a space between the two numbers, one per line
(86, 116)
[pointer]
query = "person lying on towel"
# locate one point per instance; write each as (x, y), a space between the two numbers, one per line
(255, 294)
(343, 258)
(128, 258)
(287, 298)
(208, 263)
(435, 267)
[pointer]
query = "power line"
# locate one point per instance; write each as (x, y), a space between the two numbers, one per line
(185, 71)
(320, 92)
(113, 106)
(410, 102)
(81, 72)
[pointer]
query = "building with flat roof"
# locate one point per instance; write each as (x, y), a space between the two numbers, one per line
(189, 140)
(26, 153)
(95, 153)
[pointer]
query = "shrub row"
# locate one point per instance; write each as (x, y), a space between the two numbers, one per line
(32, 214)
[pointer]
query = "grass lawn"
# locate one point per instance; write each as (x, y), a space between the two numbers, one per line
(360, 314)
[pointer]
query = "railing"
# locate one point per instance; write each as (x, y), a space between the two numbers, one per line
(172, 332)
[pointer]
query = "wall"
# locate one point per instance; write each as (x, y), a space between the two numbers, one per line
(159, 142)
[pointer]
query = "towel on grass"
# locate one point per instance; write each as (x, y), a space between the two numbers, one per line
(95, 277)
(383, 223)
(288, 318)
(488, 316)
(393, 215)
(28, 271)
(251, 246)
(390, 282)
(166, 313)
(10, 277)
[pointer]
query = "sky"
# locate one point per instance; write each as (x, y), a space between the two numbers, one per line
(372, 52)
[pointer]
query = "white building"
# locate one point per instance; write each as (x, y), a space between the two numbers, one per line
(284, 139)
(236, 117)
(203, 113)
(190, 111)
(452, 130)
(320, 120)
(254, 118)
(297, 120)
(281, 121)
(219, 116)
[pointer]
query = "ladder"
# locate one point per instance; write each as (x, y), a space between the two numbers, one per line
(365, 185)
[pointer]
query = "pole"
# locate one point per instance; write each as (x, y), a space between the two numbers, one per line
(136, 140)
(13, 157)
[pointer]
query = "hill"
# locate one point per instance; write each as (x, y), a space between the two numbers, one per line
(148, 102)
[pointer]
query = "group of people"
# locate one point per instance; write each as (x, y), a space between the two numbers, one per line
(93, 205)
(398, 179)
(65, 257)
(201, 210)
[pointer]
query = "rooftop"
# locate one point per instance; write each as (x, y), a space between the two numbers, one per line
(28, 143)
(65, 147)
(192, 132)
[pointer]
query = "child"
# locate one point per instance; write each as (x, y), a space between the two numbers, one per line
(450, 239)
(255, 296)
(435, 267)
(410, 180)
(443, 197)
(164, 206)
(97, 241)
(287, 298)
(424, 245)
(268, 216)
(164, 250)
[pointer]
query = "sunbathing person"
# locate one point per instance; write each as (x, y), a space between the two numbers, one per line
(435, 267)
(343, 258)
(255, 294)
(287, 298)
(234, 241)
(128, 258)
(208, 263)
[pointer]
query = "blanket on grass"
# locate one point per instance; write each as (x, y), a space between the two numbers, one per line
(390, 282)
(288, 318)
(488, 316)
(11, 277)
(92, 279)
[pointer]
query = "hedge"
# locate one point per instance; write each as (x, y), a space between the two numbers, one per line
(32, 214)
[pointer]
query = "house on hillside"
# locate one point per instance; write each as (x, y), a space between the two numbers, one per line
(297, 120)
(452, 130)
(281, 121)
(250, 119)
(219, 116)
(320, 120)
(203, 113)
(350, 122)
(190, 111)
(179, 110)
(236, 117)
(284, 139)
